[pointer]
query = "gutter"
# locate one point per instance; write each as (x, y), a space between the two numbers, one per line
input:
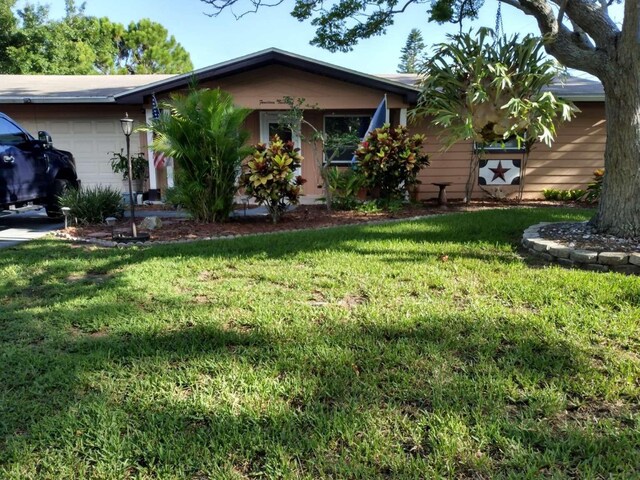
(39, 99)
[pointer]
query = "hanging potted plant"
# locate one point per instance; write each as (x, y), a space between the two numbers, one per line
(491, 89)
(139, 168)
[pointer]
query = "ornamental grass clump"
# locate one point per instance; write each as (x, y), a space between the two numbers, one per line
(91, 205)
(389, 160)
(270, 177)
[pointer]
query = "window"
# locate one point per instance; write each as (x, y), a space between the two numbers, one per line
(336, 125)
(10, 134)
(508, 146)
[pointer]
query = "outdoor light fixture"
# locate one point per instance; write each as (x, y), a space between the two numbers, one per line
(127, 127)
(66, 211)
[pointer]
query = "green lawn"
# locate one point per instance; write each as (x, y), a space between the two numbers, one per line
(355, 352)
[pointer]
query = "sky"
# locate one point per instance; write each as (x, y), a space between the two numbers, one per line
(212, 40)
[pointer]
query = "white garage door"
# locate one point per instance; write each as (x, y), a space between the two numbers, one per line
(90, 140)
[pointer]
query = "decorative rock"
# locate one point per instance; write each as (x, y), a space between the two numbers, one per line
(634, 258)
(613, 258)
(583, 256)
(151, 223)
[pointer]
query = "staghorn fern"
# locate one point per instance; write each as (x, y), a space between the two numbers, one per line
(490, 89)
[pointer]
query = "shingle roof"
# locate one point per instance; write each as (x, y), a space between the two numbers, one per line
(69, 88)
(131, 89)
(571, 87)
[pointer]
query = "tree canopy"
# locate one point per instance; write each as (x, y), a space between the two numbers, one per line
(33, 43)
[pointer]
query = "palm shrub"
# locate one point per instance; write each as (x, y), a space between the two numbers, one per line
(344, 185)
(270, 178)
(389, 160)
(203, 132)
(90, 205)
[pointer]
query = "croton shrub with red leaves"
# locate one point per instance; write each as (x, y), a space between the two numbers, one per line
(390, 159)
(269, 176)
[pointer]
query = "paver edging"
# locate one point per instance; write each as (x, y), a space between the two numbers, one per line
(555, 252)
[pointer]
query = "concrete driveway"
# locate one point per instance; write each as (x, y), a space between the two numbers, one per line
(22, 227)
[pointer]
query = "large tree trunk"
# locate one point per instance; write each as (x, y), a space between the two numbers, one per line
(619, 210)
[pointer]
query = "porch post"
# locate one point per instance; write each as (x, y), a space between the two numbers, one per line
(403, 117)
(153, 178)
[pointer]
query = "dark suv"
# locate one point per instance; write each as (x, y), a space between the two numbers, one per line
(31, 170)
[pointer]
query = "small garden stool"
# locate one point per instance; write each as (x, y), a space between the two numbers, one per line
(442, 195)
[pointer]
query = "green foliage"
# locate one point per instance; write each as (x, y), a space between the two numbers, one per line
(344, 184)
(594, 189)
(139, 165)
(204, 134)
(390, 160)
(566, 195)
(92, 204)
(172, 196)
(411, 52)
(490, 89)
(32, 43)
(147, 47)
(270, 178)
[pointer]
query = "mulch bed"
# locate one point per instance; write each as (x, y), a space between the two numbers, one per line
(583, 236)
(303, 217)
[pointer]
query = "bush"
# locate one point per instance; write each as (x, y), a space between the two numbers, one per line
(344, 186)
(566, 195)
(92, 204)
(269, 176)
(389, 160)
(594, 189)
(204, 135)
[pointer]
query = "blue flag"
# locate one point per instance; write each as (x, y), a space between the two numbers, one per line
(378, 120)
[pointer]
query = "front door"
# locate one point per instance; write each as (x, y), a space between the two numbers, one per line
(270, 126)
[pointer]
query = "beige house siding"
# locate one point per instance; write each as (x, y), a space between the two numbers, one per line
(568, 164)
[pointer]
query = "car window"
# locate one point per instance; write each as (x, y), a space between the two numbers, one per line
(10, 134)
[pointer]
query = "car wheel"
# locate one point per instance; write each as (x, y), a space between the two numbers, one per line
(60, 186)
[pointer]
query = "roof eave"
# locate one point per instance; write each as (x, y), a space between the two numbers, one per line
(270, 57)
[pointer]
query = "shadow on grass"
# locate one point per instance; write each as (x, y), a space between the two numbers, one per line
(347, 400)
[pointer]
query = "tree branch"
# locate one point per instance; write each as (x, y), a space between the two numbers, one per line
(574, 49)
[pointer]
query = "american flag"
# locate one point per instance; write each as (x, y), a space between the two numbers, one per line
(158, 157)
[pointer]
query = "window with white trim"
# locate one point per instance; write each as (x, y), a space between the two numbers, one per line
(344, 124)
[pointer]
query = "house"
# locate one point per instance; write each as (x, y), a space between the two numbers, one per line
(82, 115)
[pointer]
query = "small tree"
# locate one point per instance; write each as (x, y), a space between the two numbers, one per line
(390, 160)
(409, 61)
(204, 135)
(330, 145)
(270, 176)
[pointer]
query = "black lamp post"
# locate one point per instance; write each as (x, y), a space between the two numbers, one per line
(127, 127)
